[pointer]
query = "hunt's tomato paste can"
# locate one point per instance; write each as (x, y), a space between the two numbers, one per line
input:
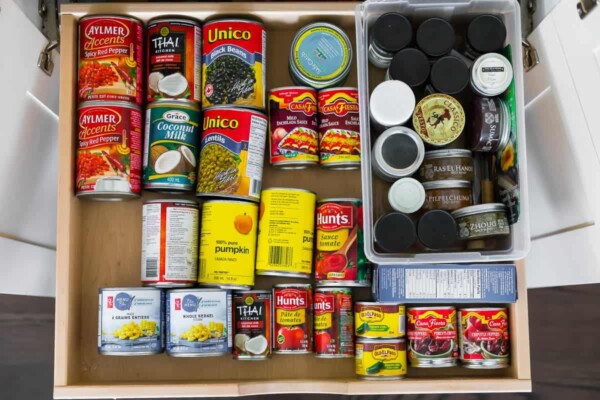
(109, 151)
(334, 323)
(484, 338)
(340, 258)
(292, 318)
(111, 59)
(432, 335)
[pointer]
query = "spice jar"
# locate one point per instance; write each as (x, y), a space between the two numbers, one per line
(453, 164)
(406, 195)
(447, 195)
(391, 104)
(437, 230)
(486, 33)
(439, 119)
(491, 124)
(411, 66)
(435, 36)
(449, 75)
(480, 221)
(397, 152)
(491, 75)
(395, 232)
(391, 33)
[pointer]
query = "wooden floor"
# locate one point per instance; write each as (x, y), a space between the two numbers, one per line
(565, 348)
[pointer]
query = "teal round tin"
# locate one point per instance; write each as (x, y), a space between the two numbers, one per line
(172, 138)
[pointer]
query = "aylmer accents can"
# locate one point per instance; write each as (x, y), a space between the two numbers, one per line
(480, 221)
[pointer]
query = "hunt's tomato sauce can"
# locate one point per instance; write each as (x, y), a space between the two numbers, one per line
(109, 151)
(111, 59)
(340, 258)
(432, 335)
(484, 338)
(252, 325)
(292, 318)
(334, 323)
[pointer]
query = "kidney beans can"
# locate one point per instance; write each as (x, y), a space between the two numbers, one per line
(286, 232)
(293, 318)
(339, 128)
(380, 359)
(174, 58)
(232, 153)
(198, 322)
(252, 325)
(334, 323)
(339, 257)
(233, 63)
(432, 336)
(170, 243)
(484, 338)
(228, 244)
(172, 139)
(379, 320)
(293, 127)
(110, 59)
(130, 321)
(109, 147)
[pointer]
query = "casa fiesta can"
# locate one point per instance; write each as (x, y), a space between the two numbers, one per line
(293, 318)
(379, 320)
(432, 333)
(172, 138)
(110, 59)
(484, 338)
(380, 359)
(252, 325)
(333, 323)
(109, 147)
(170, 243)
(232, 153)
(286, 232)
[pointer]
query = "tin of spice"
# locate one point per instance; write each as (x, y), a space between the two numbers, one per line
(170, 243)
(486, 34)
(395, 232)
(410, 66)
(491, 124)
(406, 195)
(451, 164)
(252, 325)
(391, 104)
(292, 318)
(339, 128)
(233, 63)
(432, 334)
(380, 359)
(379, 320)
(480, 221)
(449, 195)
(437, 230)
(397, 152)
(293, 136)
(174, 58)
(111, 61)
(449, 75)
(491, 75)
(286, 231)
(320, 56)
(172, 138)
(484, 338)
(435, 36)
(334, 323)
(439, 119)
(109, 151)
(391, 33)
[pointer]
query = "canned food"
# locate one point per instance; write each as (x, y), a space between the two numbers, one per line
(286, 232)
(340, 259)
(292, 318)
(110, 59)
(432, 335)
(130, 321)
(293, 127)
(172, 136)
(339, 128)
(228, 244)
(380, 359)
(379, 320)
(484, 338)
(174, 57)
(233, 63)
(232, 153)
(170, 243)
(109, 149)
(198, 322)
(252, 325)
(334, 323)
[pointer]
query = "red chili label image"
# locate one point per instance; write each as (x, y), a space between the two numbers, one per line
(484, 334)
(432, 333)
(334, 322)
(293, 319)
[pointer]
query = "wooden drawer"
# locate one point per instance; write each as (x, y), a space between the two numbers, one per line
(99, 246)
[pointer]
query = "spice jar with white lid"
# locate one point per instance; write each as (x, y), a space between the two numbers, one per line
(392, 103)
(491, 75)
(406, 195)
(398, 152)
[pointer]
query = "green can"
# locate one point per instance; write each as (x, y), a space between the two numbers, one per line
(172, 138)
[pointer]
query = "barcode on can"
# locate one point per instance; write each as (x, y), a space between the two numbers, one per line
(281, 255)
(152, 268)
(202, 273)
(255, 186)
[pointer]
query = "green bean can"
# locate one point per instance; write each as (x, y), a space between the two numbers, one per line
(172, 138)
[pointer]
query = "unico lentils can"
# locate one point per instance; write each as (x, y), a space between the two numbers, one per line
(228, 244)
(334, 323)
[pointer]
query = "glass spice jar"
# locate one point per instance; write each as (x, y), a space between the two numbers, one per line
(451, 164)
(481, 221)
(448, 195)
(491, 124)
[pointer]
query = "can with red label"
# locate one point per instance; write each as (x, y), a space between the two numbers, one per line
(109, 151)
(339, 128)
(339, 246)
(252, 325)
(292, 318)
(110, 59)
(484, 338)
(293, 127)
(334, 323)
(432, 335)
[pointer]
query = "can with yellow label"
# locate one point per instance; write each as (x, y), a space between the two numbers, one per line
(228, 244)
(380, 359)
(379, 320)
(285, 232)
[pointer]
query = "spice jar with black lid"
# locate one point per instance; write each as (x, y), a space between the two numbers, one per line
(486, 34)
(435, 36)
(410, 66)
(449, 75)
(397, 152)
(391, 33)
(395, 232)
(437, 230)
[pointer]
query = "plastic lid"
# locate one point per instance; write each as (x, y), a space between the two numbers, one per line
(410, 66)
(437, 230)
(392, 103)
(435, 37)
(395, 232)
(450, 75)
(491, 74)
(486, 33)
(392, 32)
(406, 195)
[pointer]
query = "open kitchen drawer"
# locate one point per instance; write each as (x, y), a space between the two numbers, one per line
(99, 246)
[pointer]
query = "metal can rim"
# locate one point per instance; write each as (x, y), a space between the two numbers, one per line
(251, 291)
(447, 184)
(484, 309)
(327, 289)
(432, 308)
(226, 201)
(378, 303)
(326, 90)
(173, 18)
(117, 16)
(292, 285)
(160, 201)
(479, 209)
(118, 103)
(131, 288)
(307, 88)
(250, 21)
(235, 108)
(337, 199)
(198, 289)
(448, 153)
(290, 189)
(360, 339)
(175, 102)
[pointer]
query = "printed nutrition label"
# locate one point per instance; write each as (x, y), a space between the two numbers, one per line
(443, 283)
(181, 247)
(150, 241)
(256, 151)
